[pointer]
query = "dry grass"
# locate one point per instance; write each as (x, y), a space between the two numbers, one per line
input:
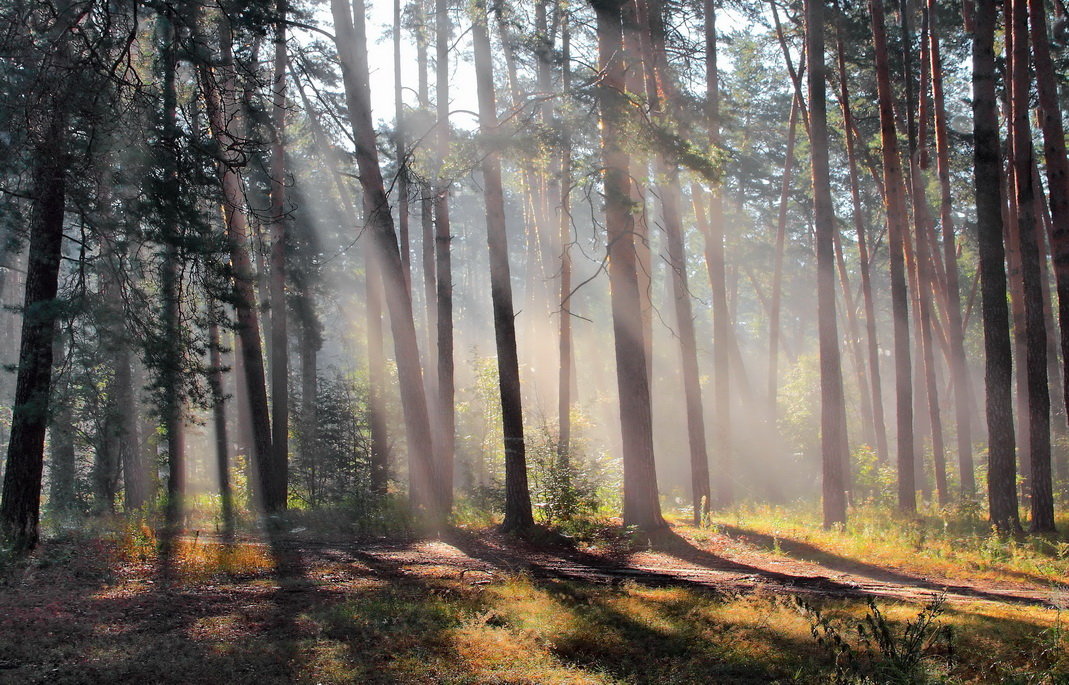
(89, 611)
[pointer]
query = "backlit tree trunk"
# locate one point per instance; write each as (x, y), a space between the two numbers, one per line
(518, 514)
(895, 204)
(275, 499)
(446, 438)
(641, 504)
(832, 409)
(352, 47)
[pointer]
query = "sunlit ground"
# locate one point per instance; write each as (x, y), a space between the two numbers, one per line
(95, 608)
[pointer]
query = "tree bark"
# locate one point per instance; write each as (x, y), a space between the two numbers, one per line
(446, 438)
(895, 205)
(1001, 474)
(832, 407)
(221, 107)
(518, 514)
(275, 498)
(664, 105)
(21, 505)
(352, 47)
(715, 262)
(959, 372)
(1042, 500)
(641, 503)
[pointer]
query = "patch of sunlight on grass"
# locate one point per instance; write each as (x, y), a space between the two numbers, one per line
(956, 543)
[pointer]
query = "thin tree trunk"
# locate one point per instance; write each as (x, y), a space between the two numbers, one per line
(777, 267)
(220, 106)
(895, 204)
(664, 105)
(518, 514)
(1057, 168)
(400, 149)
(715, 262)
(564, 377)
(446, 438)
(959, 372)
(864, 266)
(222, 442)
(275, 500)
(376, 373)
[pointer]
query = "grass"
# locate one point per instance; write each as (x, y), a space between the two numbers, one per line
(87, 609)
(949, 544)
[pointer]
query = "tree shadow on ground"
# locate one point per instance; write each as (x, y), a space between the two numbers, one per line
(810, 553)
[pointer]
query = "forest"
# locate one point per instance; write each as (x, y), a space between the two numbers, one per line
(487, 341)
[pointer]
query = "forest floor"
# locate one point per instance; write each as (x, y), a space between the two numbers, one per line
(475, 606)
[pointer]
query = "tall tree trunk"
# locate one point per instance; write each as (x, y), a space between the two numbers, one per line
(400, 149)
(218, 97)
(832, 406)
(924, 257)
(895, 204)
(518, 514)
(564, 375)
(170, 371)
(1042, 499)
(714, 257)
(275, 498)
(1001, 473)
(864, 261)
(663, 103)
(959, 372)
(777, 266)
(21, 504)
(1057, 168)
(352, 47)
(426, 215)
(641, 503)
(446, 438)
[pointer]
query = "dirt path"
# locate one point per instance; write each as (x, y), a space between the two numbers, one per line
(726, 563)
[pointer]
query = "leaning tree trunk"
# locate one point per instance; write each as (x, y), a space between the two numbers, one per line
(895, 204)
(518, 514)
(641, 504)
(218, 98)
(352, 47)
(1001, 474)
(21, 505)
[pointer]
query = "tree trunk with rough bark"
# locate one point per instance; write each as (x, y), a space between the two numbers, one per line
(641, 502)
(352, 47)
(1001, 474)
(518, 516)
(895, 205)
